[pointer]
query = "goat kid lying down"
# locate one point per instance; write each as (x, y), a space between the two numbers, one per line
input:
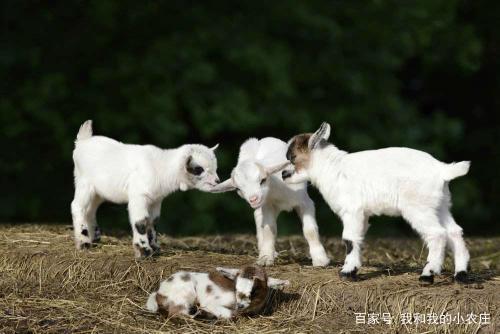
(257, 179)
(394, 181)
(140, 175)
(224, 293)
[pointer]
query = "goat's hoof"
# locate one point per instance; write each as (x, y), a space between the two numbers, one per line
(426, 280)
(265, 262)
(193, 310)
(142, 252)
(321, 262)
(156, 249)
(97, 235)
(461, 277)
(84, 245)
(351, 276)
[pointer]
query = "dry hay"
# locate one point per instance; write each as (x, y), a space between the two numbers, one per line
(48, 287)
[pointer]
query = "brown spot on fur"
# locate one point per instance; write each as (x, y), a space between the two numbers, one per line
(259, 292)
(298, 151)
(186, 277)
(251, 272)
(209, 289)
(162, 302)
(175, 309)
(222, 281)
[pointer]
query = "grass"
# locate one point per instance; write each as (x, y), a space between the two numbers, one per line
(48, 287)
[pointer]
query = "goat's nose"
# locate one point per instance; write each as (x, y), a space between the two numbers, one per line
(253, 198)
(240, 306)
(286, 174)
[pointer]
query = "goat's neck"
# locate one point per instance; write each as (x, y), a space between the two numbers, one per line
(170, 169)
(324, 160)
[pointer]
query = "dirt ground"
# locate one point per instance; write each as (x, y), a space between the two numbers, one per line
(46, 286)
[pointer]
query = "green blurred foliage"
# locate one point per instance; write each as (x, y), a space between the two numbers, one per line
(423, 74)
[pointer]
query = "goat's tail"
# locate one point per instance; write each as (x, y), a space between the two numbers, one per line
(455, 169)
(85, 131)
(152, 304)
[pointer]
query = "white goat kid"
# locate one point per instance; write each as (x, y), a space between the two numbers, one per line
(258, 180)
(140, 175)
(392, 181)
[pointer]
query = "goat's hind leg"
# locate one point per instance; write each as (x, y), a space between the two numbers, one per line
(155, 211)
(93, 227)
(456, 243)
(426, 223)
(83, 209)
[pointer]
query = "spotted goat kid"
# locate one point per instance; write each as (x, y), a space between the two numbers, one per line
(220, 294)
(395, 181)
(140, 175)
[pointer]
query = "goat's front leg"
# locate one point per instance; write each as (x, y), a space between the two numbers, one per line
(221, 312)
(306, 212)
(140, 220)
(155, 211)
(257, 214)
(355, 227)
(266, 219)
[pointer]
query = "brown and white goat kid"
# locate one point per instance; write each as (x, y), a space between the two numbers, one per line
(221, 294)
(395, 181)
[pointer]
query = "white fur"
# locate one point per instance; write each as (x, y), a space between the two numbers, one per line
(245, 286)
(393, 181)
(261, 160)
(140, 175)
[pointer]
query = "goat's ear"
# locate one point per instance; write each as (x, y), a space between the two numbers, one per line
(276, 283)
(230, 273)
(277, 168)
(322, 133)
(214, 147)
(223, 187)
(259, 279)
(183, 186)
(188, 159)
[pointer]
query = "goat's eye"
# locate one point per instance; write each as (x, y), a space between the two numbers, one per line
(196, 170)
(263, 180)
